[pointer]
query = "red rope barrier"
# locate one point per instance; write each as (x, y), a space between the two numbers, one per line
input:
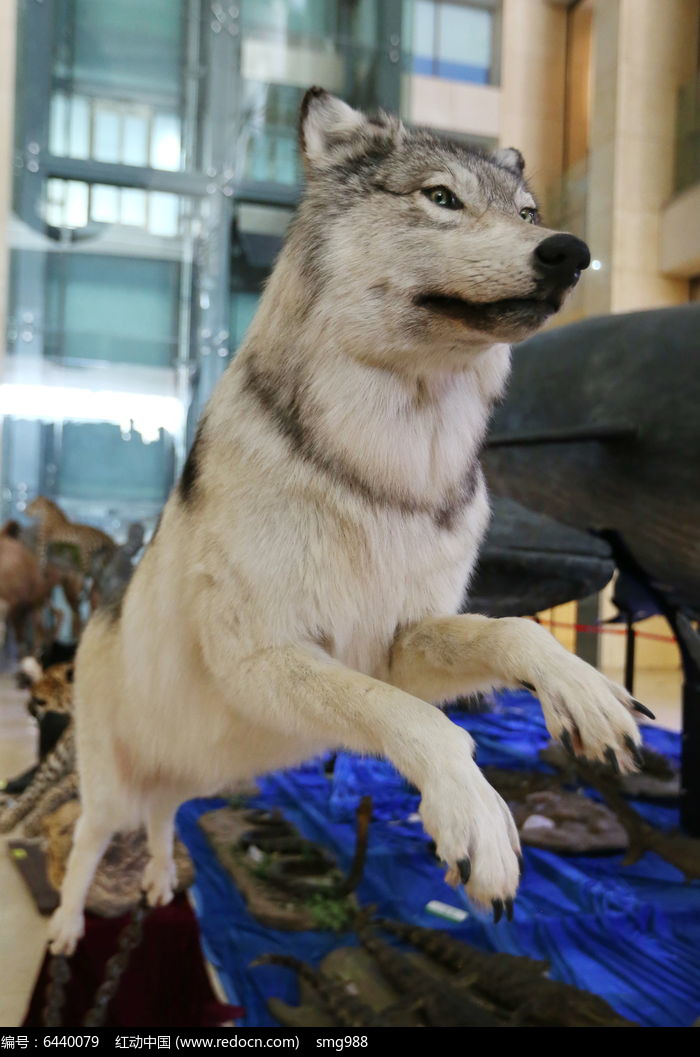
(607, 629)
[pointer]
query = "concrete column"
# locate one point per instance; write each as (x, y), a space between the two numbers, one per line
(643, 51)
(533, 68)
(595, 291)
(656, 55)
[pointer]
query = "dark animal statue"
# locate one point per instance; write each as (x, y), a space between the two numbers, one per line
(600, 431)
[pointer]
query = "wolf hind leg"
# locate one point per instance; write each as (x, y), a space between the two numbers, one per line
(160, 875)
(92, 835)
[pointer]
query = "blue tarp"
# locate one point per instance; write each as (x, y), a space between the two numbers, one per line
(629, 933)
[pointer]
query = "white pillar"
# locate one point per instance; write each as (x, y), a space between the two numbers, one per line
(533, 67)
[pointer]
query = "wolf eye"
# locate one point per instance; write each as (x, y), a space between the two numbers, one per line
(529, 214)
(442, 196)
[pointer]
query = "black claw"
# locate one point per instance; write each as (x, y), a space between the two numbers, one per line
(635, 751)
(612, 759)
(639, 707)
(567, 742)
(497, 905)
(509, 909)
(521, 865)
(465, 870)
(528, 686)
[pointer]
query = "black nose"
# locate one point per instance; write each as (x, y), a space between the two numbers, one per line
(562, 258)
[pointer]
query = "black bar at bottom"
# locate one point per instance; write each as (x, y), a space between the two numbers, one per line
(109, 1040)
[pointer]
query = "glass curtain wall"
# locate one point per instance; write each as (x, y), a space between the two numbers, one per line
(155, 173)
(454, 39)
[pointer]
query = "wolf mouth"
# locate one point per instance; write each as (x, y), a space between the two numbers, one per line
(486, 314)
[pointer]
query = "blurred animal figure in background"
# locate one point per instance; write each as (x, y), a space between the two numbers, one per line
(24, 590)
(110, 576)
(69, 552)
(56, 529)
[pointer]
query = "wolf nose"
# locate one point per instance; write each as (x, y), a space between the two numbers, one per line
(562, 258)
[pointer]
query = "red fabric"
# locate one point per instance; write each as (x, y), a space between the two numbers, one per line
(165, 984)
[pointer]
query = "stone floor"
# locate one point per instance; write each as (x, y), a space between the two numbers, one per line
(23, 930)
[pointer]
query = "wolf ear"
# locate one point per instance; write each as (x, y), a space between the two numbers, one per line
(325, 122)
(511, 159)
(328, 127)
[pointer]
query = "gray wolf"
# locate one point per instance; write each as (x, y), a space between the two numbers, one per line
(302, 590)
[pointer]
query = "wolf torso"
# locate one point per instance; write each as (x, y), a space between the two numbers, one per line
(289, 527)
(301, 591)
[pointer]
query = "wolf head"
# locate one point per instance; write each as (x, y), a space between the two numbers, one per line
(422, 241)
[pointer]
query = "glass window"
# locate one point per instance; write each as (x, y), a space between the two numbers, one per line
(423, 36)
(106, 133)
(289, 18)
(99, 461)
(163, 214)
(268, 133)
(121, 133)
(464, 43)
(165, 142)
(453, 40)
(79, 128)
(134, 205)
(125, 49)
(120, 309)
(119, 82)
(135, 139)
(119, 280)
(67, 203)
(104, 204)
(73, 203)
(96, 471)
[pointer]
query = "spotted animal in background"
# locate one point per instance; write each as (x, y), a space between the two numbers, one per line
(51, 698)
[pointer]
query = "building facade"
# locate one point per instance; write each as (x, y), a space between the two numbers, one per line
(155, 170)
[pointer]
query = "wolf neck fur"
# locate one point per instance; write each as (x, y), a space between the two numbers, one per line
(403, 437)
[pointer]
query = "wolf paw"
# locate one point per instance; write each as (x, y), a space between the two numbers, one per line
(590, 714)
(475, 835)
(158, 882)
(65, 931)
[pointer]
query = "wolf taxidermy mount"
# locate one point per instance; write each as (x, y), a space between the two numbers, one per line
(301, 592)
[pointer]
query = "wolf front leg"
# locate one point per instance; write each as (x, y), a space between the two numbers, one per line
(302, 692)
(91, 837)
(443, 657)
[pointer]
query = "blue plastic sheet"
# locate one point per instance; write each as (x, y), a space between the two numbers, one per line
(629, 933)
